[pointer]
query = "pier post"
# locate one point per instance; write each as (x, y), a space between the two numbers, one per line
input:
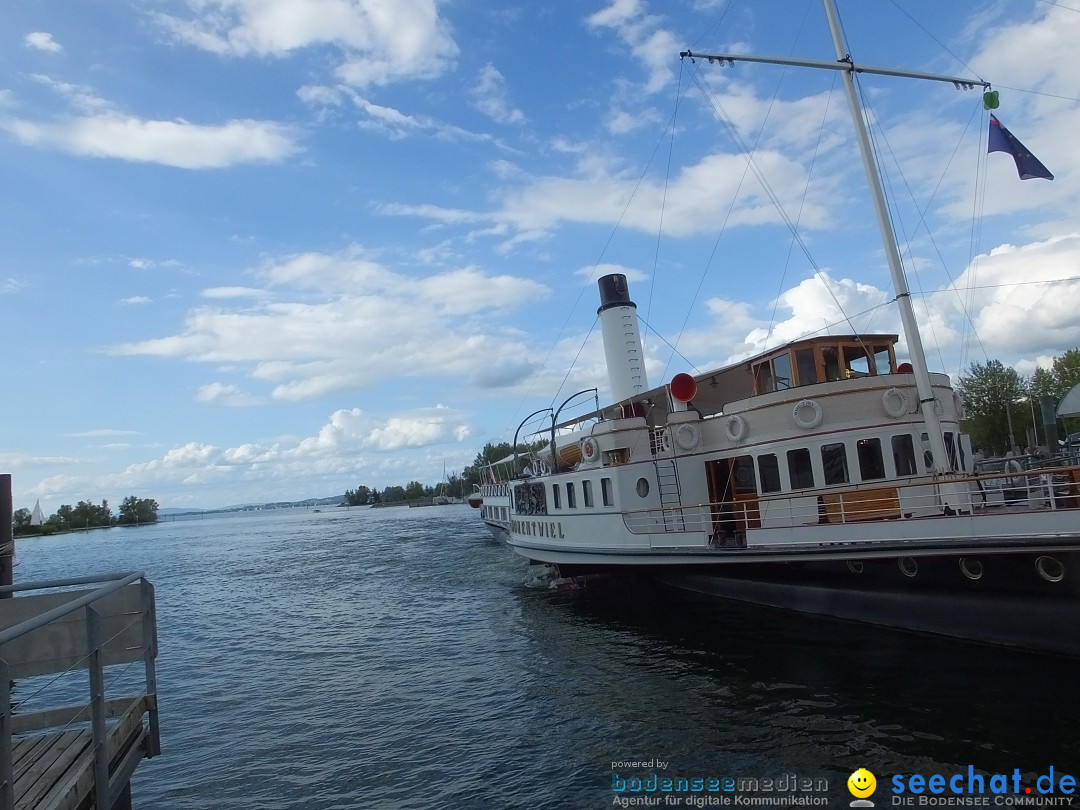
(7, 535)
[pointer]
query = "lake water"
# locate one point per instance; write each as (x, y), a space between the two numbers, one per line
(397, 658)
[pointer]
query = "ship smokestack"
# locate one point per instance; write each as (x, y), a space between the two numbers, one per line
(622, 340)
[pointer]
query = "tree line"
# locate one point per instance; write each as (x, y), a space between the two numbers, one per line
(86, 515)
(1003, 407)
(455, 486)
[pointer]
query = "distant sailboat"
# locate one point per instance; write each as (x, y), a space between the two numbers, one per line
(37, 517)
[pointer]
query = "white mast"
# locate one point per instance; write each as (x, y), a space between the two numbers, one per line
(847, 67)
(892, 253)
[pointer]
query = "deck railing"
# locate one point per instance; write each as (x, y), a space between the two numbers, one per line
(50, 629)
(1048, 487)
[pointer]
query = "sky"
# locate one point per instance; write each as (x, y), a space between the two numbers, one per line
(262, 250)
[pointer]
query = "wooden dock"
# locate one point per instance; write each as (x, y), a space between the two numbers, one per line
(76, 756)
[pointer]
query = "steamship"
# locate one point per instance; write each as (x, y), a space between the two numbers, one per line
(822, 476)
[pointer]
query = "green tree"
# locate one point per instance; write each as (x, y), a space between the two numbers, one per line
(995, 396)
(476, 472)
(83, 515)
(393, 494)
(1056, 381)
(136, 511)
(21, 518)
(414, 490)
(358, 496)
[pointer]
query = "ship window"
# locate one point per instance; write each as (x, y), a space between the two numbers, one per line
(769, 472)
(556, 495)
(743, 472)
(834, 463)
(856, 362)
(763, 378)
(903, 453)
(807, 366)
(871, 464)
(830, 358)
(950, 449)
(643, 488)
(800, 471)
(586, 494)
(571, 497)
(881, 360)
(605, 491)
(782, 372)
(928, 457)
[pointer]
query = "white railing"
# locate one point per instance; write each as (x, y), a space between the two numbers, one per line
(1045, 488)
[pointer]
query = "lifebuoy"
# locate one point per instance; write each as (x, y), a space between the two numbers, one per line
(735, 427)
(807, 422)
(590, 449)
(895, 402)
(686, 436)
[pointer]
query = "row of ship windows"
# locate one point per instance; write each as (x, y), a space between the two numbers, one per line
(836, 463)
(501, 513)
(606, 496)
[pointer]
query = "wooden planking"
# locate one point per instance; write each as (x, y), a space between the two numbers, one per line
(56, 770)
(51, 768)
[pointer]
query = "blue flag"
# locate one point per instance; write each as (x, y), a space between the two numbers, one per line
(1027, 165)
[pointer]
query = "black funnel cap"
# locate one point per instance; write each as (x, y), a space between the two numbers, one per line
(614, 292)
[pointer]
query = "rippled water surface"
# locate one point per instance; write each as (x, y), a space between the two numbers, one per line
(397, 659)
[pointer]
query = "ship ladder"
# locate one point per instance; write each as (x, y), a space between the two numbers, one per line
(667, 478)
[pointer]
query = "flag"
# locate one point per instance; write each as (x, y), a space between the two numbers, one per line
(1027, 165)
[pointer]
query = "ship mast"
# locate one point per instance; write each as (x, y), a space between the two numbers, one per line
(846, 65)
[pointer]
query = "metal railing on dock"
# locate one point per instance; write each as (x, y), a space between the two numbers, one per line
(70, 756)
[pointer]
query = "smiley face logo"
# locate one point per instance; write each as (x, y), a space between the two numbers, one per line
(861, 783)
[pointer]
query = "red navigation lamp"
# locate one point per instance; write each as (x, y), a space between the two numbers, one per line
(683, 387)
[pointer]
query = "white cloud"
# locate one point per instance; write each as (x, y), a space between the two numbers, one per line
(135, 300)
(103, 432)
(230, 395)
(170, 143)
(233, 292)
(651, 43)
(717, 189)
(42, 41)
(374, 325)
(490, 97)
(380, 41)
(10, 285)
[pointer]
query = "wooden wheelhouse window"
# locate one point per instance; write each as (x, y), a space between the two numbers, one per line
(883, 363)
(806, 366)
(763, 378)
(856, 362)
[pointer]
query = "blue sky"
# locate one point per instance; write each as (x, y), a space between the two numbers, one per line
(272, 250)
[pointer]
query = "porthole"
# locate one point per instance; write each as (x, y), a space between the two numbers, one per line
(908, 567)
(855, 566)
(643, 487)
(1050, 568)
(972, 569)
